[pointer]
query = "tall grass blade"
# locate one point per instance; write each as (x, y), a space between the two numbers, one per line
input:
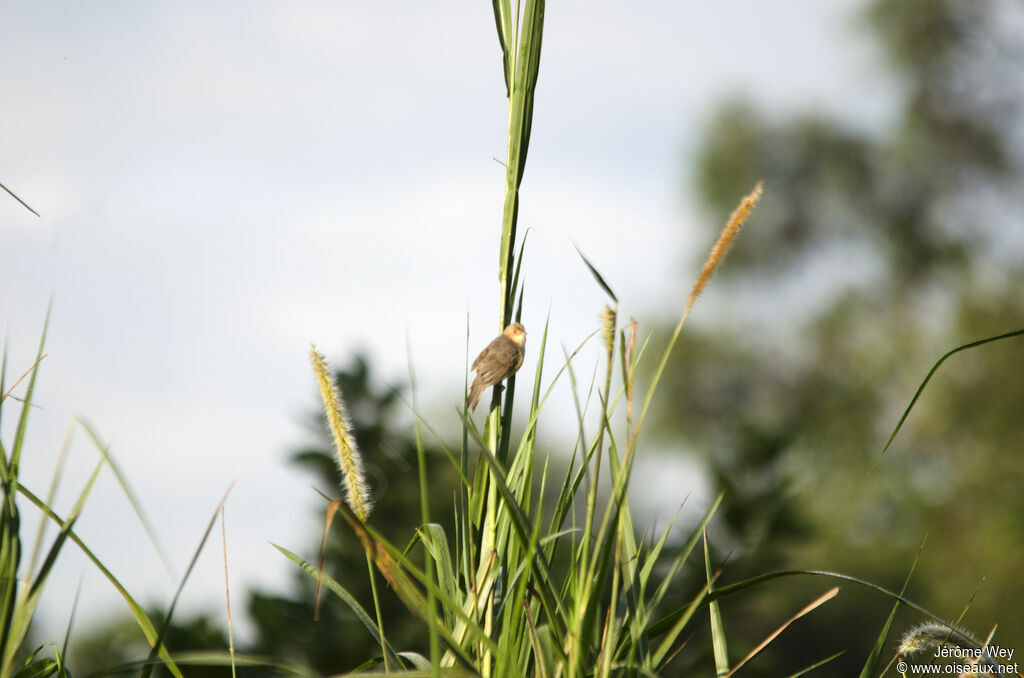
(522, 74)
(428, 564)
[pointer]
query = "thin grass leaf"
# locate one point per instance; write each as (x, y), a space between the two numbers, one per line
(36, 588)
(129, 493)
(19, 434)
(63, 652)
(227, 591)
(675, 626)
(931, 372)
(17, 381)
(673, 569)
(520, 522)
(435, 542)
(337, 589)
(874, 659)
(39, 669)
(503, 22)
(542, 663)
(403, 576)
(23, 203)
(815, 665)
(428, 564)
(718, 642)
(58, 472)
(813, 605)
(215, 658)
(597, 276)
(165, 627)
(667, 622)
(140, 615)
(5, 392)
(515, 289)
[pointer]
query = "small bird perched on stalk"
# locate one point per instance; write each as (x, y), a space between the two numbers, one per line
(500, 360)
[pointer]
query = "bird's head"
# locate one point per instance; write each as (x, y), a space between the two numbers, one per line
(516, 333)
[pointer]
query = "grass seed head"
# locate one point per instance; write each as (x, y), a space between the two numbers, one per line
(350, 463)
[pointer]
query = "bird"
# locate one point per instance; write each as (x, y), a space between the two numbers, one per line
(500, 360)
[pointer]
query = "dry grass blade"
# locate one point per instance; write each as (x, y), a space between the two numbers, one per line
(27, 372)
(824, 598)
(159, 644)
(227, 591)
(332, 510)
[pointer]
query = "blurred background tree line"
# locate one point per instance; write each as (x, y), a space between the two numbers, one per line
(872, 253)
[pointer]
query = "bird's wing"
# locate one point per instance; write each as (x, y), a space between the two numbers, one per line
(492, 374)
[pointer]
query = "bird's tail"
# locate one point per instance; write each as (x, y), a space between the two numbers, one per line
(475, 391)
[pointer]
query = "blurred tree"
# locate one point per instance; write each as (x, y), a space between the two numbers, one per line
(872, 253)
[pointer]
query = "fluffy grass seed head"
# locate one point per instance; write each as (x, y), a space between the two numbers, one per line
(725, 239)
(350, 464)
(929, 637)
(608, 319)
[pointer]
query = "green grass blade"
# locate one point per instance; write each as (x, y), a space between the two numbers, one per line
(140, 615)
(165, 627)
(39, 669)
(522, 75)
(403, 576)
(931, 373)
(19, 434)
(503, 22)
(597, 276)
(129, 494)
(337, 589)
(436, 543)
(815, 665)
(428, 564)
(718, 642)
(874, 660)
(520, 523)
(664, 624)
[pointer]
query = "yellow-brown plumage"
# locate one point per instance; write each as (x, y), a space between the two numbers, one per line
(498, 361)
